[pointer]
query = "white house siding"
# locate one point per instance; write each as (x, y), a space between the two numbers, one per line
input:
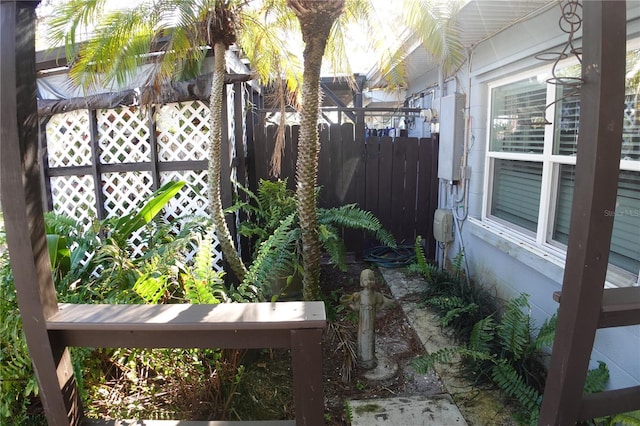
(503, 262)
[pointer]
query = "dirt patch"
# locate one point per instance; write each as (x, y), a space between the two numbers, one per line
(396, 343)
(268, 394)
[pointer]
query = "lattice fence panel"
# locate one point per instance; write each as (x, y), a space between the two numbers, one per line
(123, 135)
(75, 197)
(182, 131)
(68, 139)
(123, 193)
(192, 200)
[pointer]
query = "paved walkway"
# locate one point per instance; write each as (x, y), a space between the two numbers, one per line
(473, 408)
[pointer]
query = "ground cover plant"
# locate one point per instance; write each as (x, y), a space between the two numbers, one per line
(98, 265)
(499, 344)
(273, 226)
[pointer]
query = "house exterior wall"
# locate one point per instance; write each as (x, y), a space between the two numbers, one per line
(497, 258)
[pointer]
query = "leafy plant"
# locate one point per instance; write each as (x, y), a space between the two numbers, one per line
(124, 226)
(274, 224)
(93, 266)
(626, 419)
(509, 353)
(460, 303)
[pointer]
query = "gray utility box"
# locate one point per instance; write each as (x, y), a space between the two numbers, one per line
(451, 136)
(443, 226)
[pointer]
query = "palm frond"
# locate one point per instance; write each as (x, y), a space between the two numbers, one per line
(435, 26)
(71, 22)
(119, 48)
(342, 339)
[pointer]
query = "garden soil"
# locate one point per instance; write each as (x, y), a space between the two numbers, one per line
(398, 343)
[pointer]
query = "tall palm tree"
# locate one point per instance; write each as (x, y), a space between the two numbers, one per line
(316, 19)
(434, 25)
(121, 44)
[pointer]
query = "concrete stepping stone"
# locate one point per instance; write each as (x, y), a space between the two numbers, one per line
(436, 410)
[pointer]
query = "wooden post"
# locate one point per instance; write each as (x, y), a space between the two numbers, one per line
(306, 354)
(22, 206)
(597, 168)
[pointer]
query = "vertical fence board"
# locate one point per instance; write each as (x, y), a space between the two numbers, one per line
(288, 165)
(267, 150)
(239, 127)
(371, 174)
(385, 172)
(153, 145)
(427, 193)
(410, 188)
(397, 188)
(352, 181)
(334, 187)
(255, 138)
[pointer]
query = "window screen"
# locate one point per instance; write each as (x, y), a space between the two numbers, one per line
(625, 239)
(517, 116)
(516, 192)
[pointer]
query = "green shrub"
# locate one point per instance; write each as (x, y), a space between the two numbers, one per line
(97, 265)
(272, 223)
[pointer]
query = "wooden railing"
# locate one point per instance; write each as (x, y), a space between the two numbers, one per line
(294, 325)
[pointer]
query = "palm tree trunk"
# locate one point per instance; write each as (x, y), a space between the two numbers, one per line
(215, 160)
(316, 19)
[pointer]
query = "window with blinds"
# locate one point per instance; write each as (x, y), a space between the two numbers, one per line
(517, 117)
(625, 239)
(567, 119)
(516, 192)
(631, 126)
(518, 159)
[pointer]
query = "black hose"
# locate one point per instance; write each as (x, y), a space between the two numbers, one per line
(390, 257)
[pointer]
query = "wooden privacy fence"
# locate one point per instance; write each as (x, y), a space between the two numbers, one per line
(394, 178)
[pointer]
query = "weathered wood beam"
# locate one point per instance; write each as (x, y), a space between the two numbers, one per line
(597, 164)
(178, 91)
(23, 215)
(336, 100)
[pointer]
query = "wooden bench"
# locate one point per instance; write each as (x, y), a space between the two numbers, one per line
(294, 325)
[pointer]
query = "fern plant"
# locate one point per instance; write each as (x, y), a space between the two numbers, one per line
(422, 266)
(452, 295)
(273, 223)
(509, 352)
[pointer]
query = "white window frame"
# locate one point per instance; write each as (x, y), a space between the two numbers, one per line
(542, 238)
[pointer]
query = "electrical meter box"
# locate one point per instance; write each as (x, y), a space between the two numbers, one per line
(443, 226)
(451, 136)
